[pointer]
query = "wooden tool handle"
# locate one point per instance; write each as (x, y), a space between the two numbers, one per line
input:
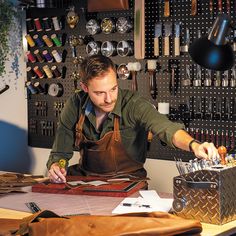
(194, 8)
(167, 8)
(220, 5)
(166, 46)
(134, 83)
(177, 46)
(156, 47)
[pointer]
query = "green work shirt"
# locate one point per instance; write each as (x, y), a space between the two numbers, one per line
(137, 117)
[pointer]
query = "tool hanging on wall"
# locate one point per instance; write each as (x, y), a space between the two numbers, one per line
(177, 39)
(167, 34)
(151, 67)
(186, 80)
(174, 76)
(134, 67)
(186, 41)
(166, 8)
(157, 33)
(194, 8)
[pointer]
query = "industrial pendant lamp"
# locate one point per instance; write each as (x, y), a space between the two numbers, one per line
(214, 52)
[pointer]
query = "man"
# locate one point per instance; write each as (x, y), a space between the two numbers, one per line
(109, 126)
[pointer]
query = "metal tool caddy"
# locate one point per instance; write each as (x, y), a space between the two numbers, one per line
(208, 195)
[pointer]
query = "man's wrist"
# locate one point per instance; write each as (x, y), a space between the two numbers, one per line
(192, 142)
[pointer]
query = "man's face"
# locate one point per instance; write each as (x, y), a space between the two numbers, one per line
(103, 91)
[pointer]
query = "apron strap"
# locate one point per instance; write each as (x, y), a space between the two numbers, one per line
(117, 136)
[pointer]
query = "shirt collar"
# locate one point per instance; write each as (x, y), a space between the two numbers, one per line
(88, 106)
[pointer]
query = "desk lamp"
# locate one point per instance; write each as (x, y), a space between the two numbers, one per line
(213, 51)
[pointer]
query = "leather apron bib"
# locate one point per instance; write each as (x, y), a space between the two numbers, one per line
(105, 157)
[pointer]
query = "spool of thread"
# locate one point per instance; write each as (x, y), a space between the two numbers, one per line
(38, 56)
(47, 56)
(47, 24)
(39, 87)
(31, 88)
(164, 108)
(38, 24)
(30, 41)
(38, 41)
(29, 24)
(56, 72)
(56, 40)
(47, 71)
(31, 74)
(56, 24)
(38, 72)
(30, 57)
(48, 41)
(57, 56)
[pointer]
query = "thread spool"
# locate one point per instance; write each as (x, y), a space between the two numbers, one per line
(56, 72)
(38, 41)
(57, 56)
(164, 108)
(39, 87)
(56, 24)
(48, 41)
(30, 41)
(30, 57)
(47, 71)
(38, 72)
(47, 56)
(31, 88)
(38, 24)
(55, 90)
(39, 57)
(30, 72)
(29, 25)
(56, 40)
(47, 24)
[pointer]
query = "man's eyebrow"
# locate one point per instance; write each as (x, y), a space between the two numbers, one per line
(97, 91)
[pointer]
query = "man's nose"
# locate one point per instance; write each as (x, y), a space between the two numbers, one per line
(108, 98)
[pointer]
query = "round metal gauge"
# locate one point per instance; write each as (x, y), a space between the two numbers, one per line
(93, 27)
(125, 48)
(108, 48)
(123, 72)
(107, 26)
(93, 48)
(123, 25)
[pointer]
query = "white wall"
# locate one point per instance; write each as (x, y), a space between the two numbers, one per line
(16, 155)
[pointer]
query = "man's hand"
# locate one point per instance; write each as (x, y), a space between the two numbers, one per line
(57, 174)
(205, 151)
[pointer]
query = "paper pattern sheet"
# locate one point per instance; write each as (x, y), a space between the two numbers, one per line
(148, 202)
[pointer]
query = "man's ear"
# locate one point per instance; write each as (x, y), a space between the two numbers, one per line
(84, 87)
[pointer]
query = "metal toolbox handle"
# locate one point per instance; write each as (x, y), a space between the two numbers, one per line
(194, 184)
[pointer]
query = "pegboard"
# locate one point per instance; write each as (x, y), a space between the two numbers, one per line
(42, 124)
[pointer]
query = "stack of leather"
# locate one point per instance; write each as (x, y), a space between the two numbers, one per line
(13, 182)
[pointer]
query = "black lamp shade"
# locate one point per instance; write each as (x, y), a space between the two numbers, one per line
(211, 56)
(213, 52)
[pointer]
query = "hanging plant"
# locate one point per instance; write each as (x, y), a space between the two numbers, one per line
(7, 13)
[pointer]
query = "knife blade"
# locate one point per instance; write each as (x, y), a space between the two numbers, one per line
(157, 35)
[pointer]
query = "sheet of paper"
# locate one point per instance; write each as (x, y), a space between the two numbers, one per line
(148, 202)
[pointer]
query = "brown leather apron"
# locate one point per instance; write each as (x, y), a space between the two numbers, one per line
(105, 157)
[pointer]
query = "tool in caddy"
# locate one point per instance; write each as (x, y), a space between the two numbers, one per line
(206, 189)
